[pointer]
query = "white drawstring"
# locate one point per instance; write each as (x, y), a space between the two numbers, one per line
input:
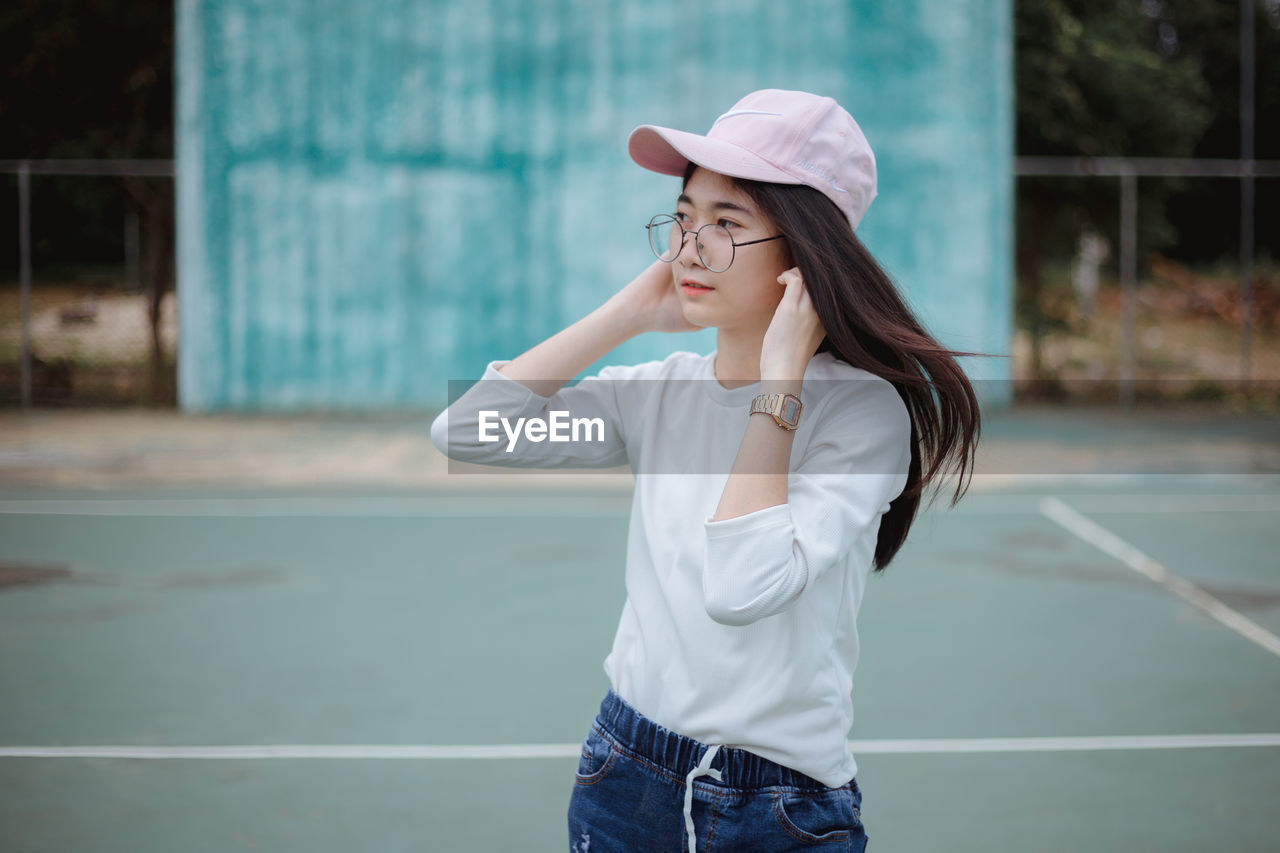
(703, 769)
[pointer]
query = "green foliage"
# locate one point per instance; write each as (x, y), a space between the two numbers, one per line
(89, 78)
(1093, 81)
(1141, 78)
(84, 79)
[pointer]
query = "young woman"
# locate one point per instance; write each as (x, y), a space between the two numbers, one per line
(772, 477)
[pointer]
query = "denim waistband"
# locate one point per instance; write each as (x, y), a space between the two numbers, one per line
(679, 755)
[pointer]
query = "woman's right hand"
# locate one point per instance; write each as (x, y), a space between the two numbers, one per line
(651, 298)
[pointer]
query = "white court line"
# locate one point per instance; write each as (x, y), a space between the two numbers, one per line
(549, 505)
(1060, 744)
(920, 746)
(453, 506)
(1112, 503)
(986, 483)
(554, 750)
(1108, 542)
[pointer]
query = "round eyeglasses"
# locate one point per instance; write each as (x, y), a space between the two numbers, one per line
(714, 243)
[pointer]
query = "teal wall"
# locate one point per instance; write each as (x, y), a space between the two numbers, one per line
(376, 197)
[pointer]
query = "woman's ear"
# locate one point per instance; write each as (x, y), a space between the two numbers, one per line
(787, 257)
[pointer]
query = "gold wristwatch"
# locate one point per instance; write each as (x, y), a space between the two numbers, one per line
(785, 408)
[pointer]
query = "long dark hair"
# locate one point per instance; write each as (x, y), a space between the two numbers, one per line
(869, 326)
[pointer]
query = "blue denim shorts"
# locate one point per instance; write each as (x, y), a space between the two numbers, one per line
(639, 786)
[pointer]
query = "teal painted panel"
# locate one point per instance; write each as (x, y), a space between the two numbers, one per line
(377, 197)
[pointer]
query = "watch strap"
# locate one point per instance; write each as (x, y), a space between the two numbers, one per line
(784, 408)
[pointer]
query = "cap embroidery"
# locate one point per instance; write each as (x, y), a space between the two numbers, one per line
(733, 113)
(815, 169)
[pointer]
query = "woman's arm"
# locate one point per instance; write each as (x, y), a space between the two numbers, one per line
(648, 303)
(759, 558)
(546, 368)
(484, 425)
(855, 463)
(758, 479)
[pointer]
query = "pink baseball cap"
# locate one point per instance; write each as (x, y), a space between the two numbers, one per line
(776, 136)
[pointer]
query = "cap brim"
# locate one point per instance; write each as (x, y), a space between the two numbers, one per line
(669, 152)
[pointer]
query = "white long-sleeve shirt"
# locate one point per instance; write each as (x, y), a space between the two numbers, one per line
(741, 631)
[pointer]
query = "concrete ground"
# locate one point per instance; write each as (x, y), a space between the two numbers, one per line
(111, 448)
(1030, 677)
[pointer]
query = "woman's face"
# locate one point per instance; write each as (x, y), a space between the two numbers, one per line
(746, 294)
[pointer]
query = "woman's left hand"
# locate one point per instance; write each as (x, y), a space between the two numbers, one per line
(794, 334)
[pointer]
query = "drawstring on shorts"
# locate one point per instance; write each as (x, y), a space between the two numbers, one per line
(703, 769)
(675, 757)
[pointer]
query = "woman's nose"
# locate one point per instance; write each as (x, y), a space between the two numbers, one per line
(690, 245)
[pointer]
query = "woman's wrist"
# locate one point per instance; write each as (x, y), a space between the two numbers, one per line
(626, 322)
(776, 385)
(781, 372)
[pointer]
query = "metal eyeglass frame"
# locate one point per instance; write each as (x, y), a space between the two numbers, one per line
(697, 243)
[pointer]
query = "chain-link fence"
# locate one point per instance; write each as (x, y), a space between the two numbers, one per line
(74, 333)
(1112, 323)
(1118, 322)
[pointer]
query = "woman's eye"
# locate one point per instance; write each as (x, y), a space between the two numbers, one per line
(728, 223)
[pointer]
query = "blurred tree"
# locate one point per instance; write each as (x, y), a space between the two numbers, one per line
(1092, 81)
(93, 79)
(90, 78)
(1159, 78)
(1141, 78)
(1206, 215)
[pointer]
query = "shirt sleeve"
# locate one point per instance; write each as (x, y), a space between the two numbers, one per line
(496, 422)
(758, 564)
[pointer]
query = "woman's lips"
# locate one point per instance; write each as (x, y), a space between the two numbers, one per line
(691, 286)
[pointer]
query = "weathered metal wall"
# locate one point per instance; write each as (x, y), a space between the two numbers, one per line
(376, 197)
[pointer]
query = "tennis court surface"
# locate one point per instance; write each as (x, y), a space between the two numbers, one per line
(304, 634)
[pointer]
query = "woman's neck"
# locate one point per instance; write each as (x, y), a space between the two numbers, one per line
(737, 361)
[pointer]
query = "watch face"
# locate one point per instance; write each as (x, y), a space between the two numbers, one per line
(790, 409)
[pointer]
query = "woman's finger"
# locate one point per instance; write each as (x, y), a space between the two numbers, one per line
(793, 282)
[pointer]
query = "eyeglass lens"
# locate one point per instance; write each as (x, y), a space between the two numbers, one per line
(714, 243)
